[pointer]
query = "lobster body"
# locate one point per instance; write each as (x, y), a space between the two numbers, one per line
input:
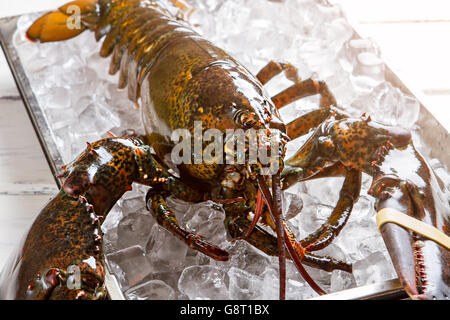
(181, 79)
(201, 84)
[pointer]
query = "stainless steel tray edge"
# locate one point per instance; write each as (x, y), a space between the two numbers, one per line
(38, 120)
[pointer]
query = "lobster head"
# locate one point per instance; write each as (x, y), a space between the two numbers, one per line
(402, 181)
(357, 143)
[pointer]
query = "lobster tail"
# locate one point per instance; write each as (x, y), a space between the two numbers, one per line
(65, 23)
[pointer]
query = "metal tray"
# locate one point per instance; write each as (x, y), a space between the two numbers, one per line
(438, 139)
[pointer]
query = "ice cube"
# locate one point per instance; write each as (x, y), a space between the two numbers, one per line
(321, 277)
(179, 207)
(58, 98)
(110, 241)
(341, 280)
(292, 202)
(97, 118)
(310, 219)
(368, 72)
(351, 50)
(60, 118)
(372, 243)
(389, 105)
(244, 285)
(271, 284)
(204, 283)
(28, 52)
(410, 112)
(326, 191)
(25, 21)
(151, 290)
(134, 204)
(372, 269)
(364, 209)
(333, 250)
(356, 235)
(170, 278)
(165, 251)
(112, 219)
(134, 229)
(441, 172)
(296, 289)
(206, 219)
(245, 257)
(129, 265)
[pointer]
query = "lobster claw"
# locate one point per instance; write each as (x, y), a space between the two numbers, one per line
(422, 264)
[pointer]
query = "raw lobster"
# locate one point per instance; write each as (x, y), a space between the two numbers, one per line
(179, 80)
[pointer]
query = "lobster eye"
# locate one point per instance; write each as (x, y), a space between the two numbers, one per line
(245, 119)
(325, 142)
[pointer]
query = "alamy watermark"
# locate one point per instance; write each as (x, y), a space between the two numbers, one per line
(74, 20)
(236, 146)
(73, 281)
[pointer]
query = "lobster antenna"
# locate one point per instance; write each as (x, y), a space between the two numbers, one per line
(295, 257)
(276, 217)
(277, 210)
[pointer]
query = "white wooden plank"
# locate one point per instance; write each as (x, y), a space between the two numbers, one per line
(7, 84)
(16, 215)
(22, 160)
(396, 10)
(416, 50)
(9, 8)
(439, 106)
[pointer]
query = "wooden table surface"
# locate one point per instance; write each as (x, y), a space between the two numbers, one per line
(413, 36)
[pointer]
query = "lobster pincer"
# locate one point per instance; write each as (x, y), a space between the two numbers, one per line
(62, 257)
(403, 183)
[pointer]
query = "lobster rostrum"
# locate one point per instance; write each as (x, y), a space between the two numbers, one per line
(180, 79)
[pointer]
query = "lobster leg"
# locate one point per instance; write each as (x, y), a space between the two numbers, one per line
(132, 27)
(339, 217)
(304, 165)
(267, 243)
(164, 184)
(167, 220)
(121, 29)
(303, 89)
(277, 217)
(299, 89)
(310, 120)
(274, 68)
(303, 124)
